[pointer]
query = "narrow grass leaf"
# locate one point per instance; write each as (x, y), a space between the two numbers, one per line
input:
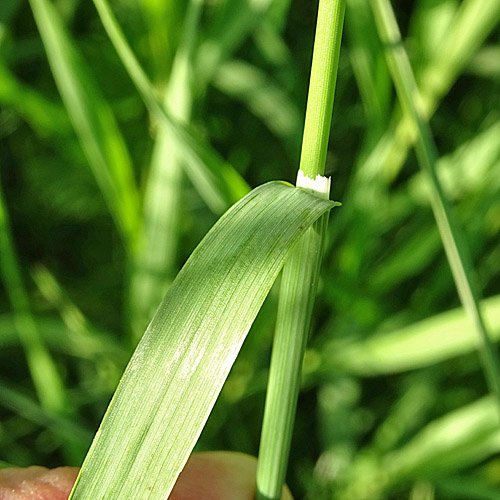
(46, 379)
(93, 121)
(183, 359)
(427, 342)
(155, 265)
(218, 183)
(453, 240)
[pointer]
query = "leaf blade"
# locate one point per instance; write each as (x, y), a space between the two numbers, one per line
(206, 313)
(93, 121)
(420, 344)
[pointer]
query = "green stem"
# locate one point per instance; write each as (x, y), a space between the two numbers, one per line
(322, 86)
(451, 235)
(301, 271)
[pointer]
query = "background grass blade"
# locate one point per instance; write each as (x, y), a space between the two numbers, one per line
(163, 18)
(453, 241)
(156, 262)
(218, 183)
(184, 357)
(93, 121)
(468, 30)
(263, 97)
(86, 340)
(45, 116)
(475, 435)
(232, 22)
(61, 426)
(427, 342)
(46, 379)
(370, 69)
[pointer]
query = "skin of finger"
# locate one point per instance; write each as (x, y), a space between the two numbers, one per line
(37, 483)
(207, 476)
(219, 475)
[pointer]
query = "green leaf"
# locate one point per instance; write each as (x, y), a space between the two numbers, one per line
(454, 243)
(156, 260)
(93, 121)
(181, 363)
(427, 342)
(217, 182)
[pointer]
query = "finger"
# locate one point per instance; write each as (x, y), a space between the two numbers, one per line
(218, 475)
(207, 476)
(37, 483)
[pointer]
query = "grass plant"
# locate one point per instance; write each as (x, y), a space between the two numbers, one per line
(128, 129)
(185, 355)
(301, 272)
(453, 240)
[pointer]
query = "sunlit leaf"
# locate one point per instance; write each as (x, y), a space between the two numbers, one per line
(181, 363)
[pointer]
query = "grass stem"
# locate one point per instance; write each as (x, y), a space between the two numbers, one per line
(451, 235)
(301, 271)
(322, 86)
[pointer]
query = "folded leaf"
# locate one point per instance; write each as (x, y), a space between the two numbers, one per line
(180, 365)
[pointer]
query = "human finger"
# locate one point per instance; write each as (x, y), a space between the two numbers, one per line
(207, 476)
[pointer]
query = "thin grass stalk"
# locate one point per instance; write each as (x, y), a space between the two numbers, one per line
(427, 155)
(301, 271)
(322, 87)
(473, 22)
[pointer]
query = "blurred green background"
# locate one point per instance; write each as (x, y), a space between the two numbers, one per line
(100, 206)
